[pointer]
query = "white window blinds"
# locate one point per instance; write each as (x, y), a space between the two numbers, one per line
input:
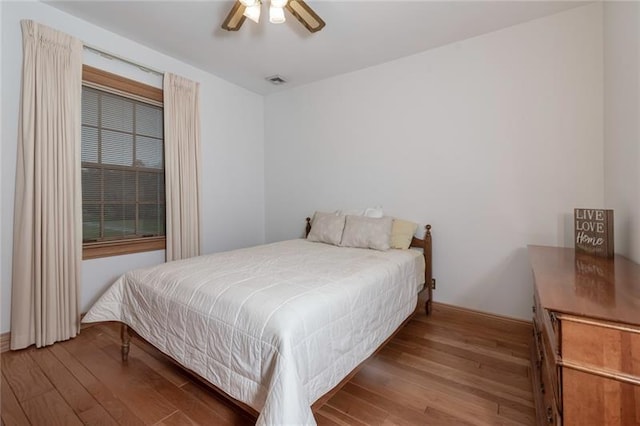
(122, 167)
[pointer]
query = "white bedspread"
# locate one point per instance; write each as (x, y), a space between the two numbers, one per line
(275, 326)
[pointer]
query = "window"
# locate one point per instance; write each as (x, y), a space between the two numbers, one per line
(123, 201)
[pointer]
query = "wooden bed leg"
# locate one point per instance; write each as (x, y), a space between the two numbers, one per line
(427, 303)
(125, 335)
(427, 307)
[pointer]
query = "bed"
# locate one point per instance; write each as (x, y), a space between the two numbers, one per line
(279, 327)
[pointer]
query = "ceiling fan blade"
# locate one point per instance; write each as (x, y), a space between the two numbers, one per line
(307, 17)
(235, 18)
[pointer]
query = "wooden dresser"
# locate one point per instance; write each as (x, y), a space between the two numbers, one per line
(586, 346)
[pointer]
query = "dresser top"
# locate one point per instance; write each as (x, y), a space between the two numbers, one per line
(585, 285)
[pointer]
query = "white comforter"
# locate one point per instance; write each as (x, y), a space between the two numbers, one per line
(275, 326)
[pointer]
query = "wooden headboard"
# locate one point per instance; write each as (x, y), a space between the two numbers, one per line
(425, 245)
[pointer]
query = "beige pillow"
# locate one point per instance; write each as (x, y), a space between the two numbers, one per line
(367, 232)
(402, 233)
(326, 228)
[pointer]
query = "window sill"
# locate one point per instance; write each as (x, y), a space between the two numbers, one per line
(120, 247)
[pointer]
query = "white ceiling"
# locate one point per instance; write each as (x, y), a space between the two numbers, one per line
(358, 34)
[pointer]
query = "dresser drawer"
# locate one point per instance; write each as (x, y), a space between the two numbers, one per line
(614, 349)
(590, 399)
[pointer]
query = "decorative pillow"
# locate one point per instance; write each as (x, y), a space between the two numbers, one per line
(367, 232)
(326, 228)
(402, 233)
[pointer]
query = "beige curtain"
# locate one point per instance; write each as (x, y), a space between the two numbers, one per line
(47, 230)
(182, 166)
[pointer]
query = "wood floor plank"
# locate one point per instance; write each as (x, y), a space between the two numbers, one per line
(226, 410)
(50, 409)
(23, 374)
(490, 337)
(357, 408)
(131, 387)
(453, 387)
(471, 385)
(418, 396)
(397, 410)
(190, 406)
(323, 420)
(12, 413)
(97, 416)
(520, 381)
(491, 346)
(340, 417)
(150, 356)
(505, 389)
(523, 416)
(436, 417)
(512, 329)
(441, 336)
(179, 419)
(157, 361)
(112, 404)
(78, 398)
(455, 316)
(443, 352)
(445, 389)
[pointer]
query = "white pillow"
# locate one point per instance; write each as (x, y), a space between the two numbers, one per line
(350, 212)
(326, 228)
(367, 232)
(373, 212)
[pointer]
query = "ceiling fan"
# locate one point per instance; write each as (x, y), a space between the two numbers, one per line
(251, 9)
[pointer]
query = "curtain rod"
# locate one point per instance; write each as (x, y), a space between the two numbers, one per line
(109, 55)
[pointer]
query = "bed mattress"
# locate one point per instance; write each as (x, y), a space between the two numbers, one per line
(274, 326)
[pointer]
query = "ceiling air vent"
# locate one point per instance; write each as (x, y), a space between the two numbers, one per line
(276, 79)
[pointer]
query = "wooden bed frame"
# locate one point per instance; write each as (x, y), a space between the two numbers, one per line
(425, 244)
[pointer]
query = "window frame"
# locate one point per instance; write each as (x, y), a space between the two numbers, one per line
(112, 83)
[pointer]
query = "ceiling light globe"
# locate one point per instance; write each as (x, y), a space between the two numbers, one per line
(253, 13)
(279, 3)
(276, 15)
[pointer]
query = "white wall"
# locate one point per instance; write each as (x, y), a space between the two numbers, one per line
(622, 122)
(493, 140)
(232, 152)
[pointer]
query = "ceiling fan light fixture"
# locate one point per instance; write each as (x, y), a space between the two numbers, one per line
(253, 12)
(299, 9)
(279, 3)
(307, 17)
(235, 18)
(276, 14)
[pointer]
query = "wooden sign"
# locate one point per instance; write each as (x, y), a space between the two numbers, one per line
(594, 231)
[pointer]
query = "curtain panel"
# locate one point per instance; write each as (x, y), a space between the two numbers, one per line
(182, 166)
(47, 232)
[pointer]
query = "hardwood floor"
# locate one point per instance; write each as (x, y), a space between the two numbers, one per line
(453, 368)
